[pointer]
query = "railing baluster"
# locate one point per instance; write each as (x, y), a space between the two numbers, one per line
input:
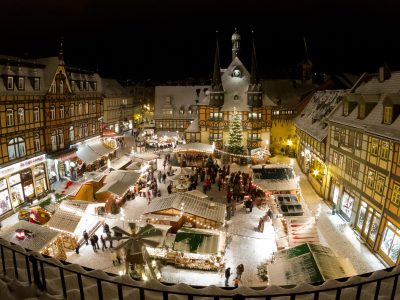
(338, 293)
(15, 265)
(316, 295)
(165, 295)
(43, 275)
(3, 261)
(28, 269)
(359, 288)
(64, 288)
(120, 293)
(396, 279)
(377, 289)
(99, 289)
(190, 297)
(35, 271)
(82, 292)
(141, 294)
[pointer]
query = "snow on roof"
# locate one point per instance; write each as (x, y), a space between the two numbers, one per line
(288, 91)
(372, 90)
(145, 156)
(197, 193)
(194, 126)
(112, 88)
(181, 97)
(313, 118)
(118, 182)
(195, 147)
(191, 204)
(68, 215)
(42, 235)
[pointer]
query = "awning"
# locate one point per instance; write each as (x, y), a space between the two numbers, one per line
(196, 241)
(86, 154)
(100, 148)
(118, 182)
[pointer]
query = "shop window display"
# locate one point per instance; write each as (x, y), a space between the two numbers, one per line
(17, 195)
(361, 216)
(347, 204)
(5, 204)
(391, 241)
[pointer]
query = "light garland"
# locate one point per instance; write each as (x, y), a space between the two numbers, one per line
(235, 155)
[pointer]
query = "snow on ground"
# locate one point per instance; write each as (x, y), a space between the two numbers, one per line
(245, 244)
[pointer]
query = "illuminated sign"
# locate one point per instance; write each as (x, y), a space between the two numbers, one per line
(22, 165)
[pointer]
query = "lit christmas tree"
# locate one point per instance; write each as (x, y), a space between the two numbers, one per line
(235, 134)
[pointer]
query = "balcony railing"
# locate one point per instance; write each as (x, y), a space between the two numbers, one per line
(62, 279)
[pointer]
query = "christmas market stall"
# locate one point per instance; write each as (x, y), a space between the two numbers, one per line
(307, 263)
(146, 157)
(275, 179)
(72, 218)
(193, 154)
(259, 155)
(288, 205)
(36, 238)
(195, 240)
(118, 187)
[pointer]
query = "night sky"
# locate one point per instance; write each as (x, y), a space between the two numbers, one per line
(163, 40)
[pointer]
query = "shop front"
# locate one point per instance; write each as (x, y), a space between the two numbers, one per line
(22, 182)
(390, 243)
(62, 167)
(367, 225)
(346, 205)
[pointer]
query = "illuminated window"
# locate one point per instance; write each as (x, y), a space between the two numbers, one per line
(54, 140)
(384, 153)
(387, 115)
(356, 169)
(62, 112)
(86, 108)
(36, 141)
(349, 166)
(370, 178)
(16, 148)
(36, 114)
(380, 184)
(80, 109)
(9, 117)
(359, 138)
(21, 115)
(396, 194)
(374, 147)
(52, 112)
(391, 241)
(72, 110)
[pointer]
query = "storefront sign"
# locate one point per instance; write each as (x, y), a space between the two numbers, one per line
(21, 165)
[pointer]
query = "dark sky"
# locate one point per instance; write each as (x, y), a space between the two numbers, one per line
(162, 39)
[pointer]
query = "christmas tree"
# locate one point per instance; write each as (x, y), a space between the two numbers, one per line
(235, 134)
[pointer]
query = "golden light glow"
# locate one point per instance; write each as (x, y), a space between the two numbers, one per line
(289, 142)
(315, 172)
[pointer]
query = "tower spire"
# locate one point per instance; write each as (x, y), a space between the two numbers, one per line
(61, 51)
(235, 44)
(254, 68)
(216, 82)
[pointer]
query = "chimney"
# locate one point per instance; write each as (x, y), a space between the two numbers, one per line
(381, 74)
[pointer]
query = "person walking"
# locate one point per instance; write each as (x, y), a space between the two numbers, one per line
(77, 248)
(227, 275)
(239, 271)
(86, 237)
(236, 282)
(93, 243)
(103, 243)
(109, 238)
(96, 240)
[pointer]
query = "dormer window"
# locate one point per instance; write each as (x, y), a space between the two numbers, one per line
(345, 108)
(10, 83)
(181, 110)
(86, 86)
(190, 111)
(361, 111)
(94, 86)
(21, 83)
(387, 115)
(81, 85)
(236, 97)
(36, 83)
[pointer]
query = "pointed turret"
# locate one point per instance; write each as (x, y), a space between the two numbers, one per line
(235, 44)
(254, 93)
(306, 65)
(61, 52)
(217, 90)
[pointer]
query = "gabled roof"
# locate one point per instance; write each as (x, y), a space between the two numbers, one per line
(191, 204)
(194, 126)
(313, 118)
(369, 89)
(181, 97)
(112, 88)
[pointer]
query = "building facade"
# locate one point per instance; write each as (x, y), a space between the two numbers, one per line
(117, 107)
(363, 150)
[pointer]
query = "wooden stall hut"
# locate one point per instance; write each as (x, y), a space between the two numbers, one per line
(72, 218)
(183, 208)
(193, 154)
(36, 238)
